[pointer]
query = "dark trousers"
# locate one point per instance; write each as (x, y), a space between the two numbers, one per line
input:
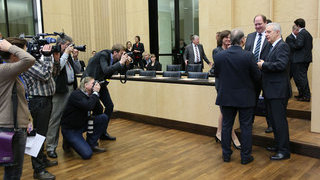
(107, 102)
(258, 89)
(245, 118)
(277, 109)
(40, 108)
(75, 139)
(138, 61)
(300, 77)
(14, 171)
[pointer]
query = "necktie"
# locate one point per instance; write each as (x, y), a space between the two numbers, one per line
(197, 54)
(257, 50)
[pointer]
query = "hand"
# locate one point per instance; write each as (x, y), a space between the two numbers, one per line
(96, 87)
(30, 127)
(5, 45)
(75, 54)
(69, 49)
(129, 60)
(211, 64)
(136, 51)
(260, 63)
(47, 48)
(186, 62)
(124, 58)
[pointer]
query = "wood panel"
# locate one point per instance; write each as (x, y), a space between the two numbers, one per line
(149, 152)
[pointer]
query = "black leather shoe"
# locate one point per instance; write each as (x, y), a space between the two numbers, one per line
(271, 148)
(280, 156)
(97, 149)
(106, 136)
(44, 175)
(247, 160)
(52, 154)
(269, 130)
(226, 158)
(49, 163)
(299, 96)
(305, 99)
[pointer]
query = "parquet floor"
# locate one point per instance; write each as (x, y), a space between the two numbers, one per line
(150, 152)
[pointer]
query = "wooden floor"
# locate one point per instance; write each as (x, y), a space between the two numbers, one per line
(299, 105)
(150, 152)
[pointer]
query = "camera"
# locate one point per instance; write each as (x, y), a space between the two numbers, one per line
(36, 43)
(79, 48)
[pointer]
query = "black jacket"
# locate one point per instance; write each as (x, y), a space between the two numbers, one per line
(250, 45)
(75, 115)
(100, 67)
(237, 71)
(275, 79)
(139, 48)
(156, 67)
(62, 80)
(303, 47)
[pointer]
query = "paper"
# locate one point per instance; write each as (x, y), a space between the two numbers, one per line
(34, 144)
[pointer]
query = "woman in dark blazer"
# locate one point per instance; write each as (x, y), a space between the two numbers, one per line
(154, 65)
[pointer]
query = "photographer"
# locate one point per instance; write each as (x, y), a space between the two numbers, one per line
(40, 89)
(75, 119)
(66, 82)
(15, 61)
(102, 66)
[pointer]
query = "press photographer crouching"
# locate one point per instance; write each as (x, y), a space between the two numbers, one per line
(75, 118)
(15, 60)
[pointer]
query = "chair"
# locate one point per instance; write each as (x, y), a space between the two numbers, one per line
(172, 74)
(148, 73)
(194, 67)
(131, 72)
(198, 75)
(174, 67)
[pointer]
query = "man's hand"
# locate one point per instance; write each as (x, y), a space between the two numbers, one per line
(69, 49)
(124, 58)
(260, 63)
(96, 87)
(129, 60)
(75, 54)
(5, 45)
(186, 62)
(211, 64)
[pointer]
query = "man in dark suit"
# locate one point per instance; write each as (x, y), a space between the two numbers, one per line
(194, 53)
(138, 49)
(277, 89)
(301, 60)
(237, 71)
(101, 67)
(259, 46)
(291, 40)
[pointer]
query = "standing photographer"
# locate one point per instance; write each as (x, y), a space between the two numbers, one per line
(41, 87)
(15, 61)
(102, 66)
(75, 119)
(66, 82)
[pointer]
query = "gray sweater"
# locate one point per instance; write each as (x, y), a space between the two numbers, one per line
(8, 75)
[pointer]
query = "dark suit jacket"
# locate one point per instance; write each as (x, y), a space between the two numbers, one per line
(250, 45)
(189, 55)
(291, 40)
(156, 67)
(75, 114)
(139, 48)
(100, 67)
(275, 79)
(303, 47)
(237, 71)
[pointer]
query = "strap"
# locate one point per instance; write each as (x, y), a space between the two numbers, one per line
(15, 105)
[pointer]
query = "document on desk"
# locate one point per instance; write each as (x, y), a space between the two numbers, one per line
(34, 144)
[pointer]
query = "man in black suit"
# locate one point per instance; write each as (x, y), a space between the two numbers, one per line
(138, 49)
(301, 60)
(194, 53)
(101, 67)
(257, 44)
(237, 71)
(291, 40)
(277, 89)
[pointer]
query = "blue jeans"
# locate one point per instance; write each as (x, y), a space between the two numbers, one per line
(75, 139)
(19, 143)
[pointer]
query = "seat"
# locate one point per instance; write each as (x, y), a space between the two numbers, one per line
(194, 67)
(131, 72)
(174, 67)
(172, 74)
(148, 73)
(198, 75)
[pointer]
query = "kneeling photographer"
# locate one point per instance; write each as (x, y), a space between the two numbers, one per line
(75, 119)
